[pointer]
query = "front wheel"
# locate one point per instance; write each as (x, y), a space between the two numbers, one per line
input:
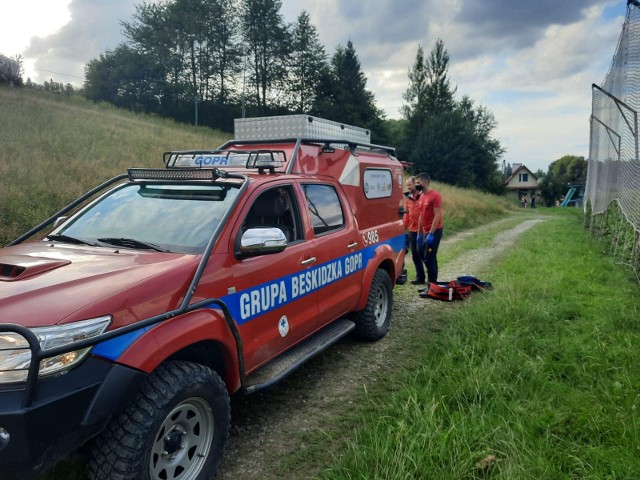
(175, 429)
(372, 323)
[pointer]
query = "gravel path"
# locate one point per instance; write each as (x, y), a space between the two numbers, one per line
(269, 427)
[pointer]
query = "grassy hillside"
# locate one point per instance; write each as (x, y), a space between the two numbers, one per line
(463, 209)
(55, 148)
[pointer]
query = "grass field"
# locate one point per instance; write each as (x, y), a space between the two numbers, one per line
(536, 379)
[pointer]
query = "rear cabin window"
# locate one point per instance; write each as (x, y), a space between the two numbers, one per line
(378, 183)
(324, 207)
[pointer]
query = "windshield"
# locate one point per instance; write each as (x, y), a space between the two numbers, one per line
(176, 218)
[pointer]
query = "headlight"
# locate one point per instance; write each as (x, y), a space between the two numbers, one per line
(15, 355)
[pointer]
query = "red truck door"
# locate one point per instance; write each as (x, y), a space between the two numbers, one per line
(339, 264)
(271, 309)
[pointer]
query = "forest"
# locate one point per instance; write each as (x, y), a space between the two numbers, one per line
(210, 61)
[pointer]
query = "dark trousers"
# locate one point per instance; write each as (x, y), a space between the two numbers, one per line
(430, 256)
(416, 256)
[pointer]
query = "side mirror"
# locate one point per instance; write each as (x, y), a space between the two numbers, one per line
(261, 241)
(59, 220)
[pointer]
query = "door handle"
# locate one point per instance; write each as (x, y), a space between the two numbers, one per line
(308, 261)
(352, 245)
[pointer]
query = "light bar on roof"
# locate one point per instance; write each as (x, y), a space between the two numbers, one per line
(181, 174)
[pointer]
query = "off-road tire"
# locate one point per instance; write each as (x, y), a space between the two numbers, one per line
(373, 322)
(123, 451)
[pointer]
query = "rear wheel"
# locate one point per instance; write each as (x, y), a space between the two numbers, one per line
(372, 323)
(175, 429)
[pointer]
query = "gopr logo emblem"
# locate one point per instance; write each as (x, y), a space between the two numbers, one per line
(283, 326)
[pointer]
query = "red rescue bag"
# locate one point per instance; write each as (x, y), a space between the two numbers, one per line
(458, 289)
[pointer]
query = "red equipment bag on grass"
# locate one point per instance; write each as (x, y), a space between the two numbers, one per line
(458, 289)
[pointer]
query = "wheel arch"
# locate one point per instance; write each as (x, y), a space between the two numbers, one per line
(201, 337)
(384, 259)
(210, 353)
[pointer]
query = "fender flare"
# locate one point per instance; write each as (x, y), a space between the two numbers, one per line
(171, 336)
(383, 257)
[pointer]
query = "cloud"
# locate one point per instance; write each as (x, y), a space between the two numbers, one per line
(19, 22)
(541, 95)
(519, 22)
(94, 28)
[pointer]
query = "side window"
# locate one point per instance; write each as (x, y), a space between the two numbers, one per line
(276, 207)
(324, 207)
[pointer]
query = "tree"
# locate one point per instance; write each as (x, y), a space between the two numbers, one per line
(415, 96)
(308, 62)
(509, 170)
(19, 59)
(325, 95)
(486, 149)
(569, 169)
(439, 95)
(125, 78)
(226, 48)
(195, 41)
(268, 44)
(452, 140)
(151, 35)
(342, 95)
(206, 34)
(431, 120)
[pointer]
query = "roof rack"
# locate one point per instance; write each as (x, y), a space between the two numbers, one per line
(312, 141)
(264, 160)
(211, 159)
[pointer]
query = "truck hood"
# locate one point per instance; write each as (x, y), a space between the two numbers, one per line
(43, 284)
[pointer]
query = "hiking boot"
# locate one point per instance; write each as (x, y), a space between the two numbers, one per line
(417, 281)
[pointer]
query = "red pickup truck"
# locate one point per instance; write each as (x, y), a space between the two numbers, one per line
(162, 292)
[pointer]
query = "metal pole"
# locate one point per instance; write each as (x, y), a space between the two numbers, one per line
(244, 81)
(196, 110)
(635, 133)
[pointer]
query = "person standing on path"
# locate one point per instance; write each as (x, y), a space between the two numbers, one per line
(429, 224)
(412, 209)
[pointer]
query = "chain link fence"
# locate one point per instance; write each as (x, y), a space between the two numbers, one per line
(612, 196)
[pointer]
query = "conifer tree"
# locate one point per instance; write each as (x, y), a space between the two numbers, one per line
(308, 60)
(342, 95)
(268, 45)
(449, 139)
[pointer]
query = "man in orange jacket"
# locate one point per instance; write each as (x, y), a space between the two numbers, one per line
(412, 209)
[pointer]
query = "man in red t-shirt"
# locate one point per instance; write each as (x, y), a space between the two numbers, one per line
(430, 224)
(412, 210)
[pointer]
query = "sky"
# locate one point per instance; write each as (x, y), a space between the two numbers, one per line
(531, 63)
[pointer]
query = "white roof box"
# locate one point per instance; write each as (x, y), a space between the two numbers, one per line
(297, 126)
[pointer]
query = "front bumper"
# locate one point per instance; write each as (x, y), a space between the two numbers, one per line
(66, 411)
